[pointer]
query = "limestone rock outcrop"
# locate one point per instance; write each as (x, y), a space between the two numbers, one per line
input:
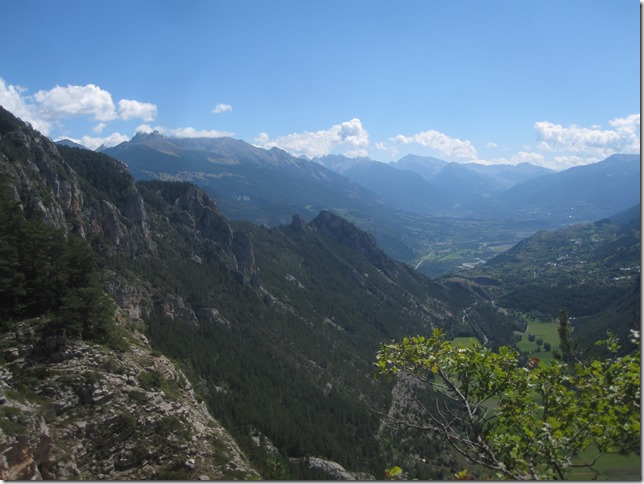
(87, 412)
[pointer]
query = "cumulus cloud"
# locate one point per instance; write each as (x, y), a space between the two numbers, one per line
(594, 141)
(88, 100)
(47, 109)
(11, 99)
(357, 153)
(350, 137)
(444, 144)
(561, 147)
(387, 149)
(568, 161)
(520, 157)
(186, 132)
(129, 109)
(14, 100)
(222, 108)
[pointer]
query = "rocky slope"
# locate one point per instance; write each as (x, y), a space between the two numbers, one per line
(87, 412)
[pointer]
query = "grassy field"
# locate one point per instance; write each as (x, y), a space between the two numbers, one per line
(611, 467)
(463, 341)
(548, 331)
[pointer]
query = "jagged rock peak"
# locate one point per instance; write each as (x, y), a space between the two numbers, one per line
(354, 238)
(199, 212)
(345, 231)
(298, 224)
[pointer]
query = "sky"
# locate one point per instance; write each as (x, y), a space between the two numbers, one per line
(552, 82)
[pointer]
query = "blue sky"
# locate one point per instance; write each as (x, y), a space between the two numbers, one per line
(552, 82)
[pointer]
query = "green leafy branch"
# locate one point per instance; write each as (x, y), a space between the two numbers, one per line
(520, 422)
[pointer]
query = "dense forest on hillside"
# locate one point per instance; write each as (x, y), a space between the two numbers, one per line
(44, 271)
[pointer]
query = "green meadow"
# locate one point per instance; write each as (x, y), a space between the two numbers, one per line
(463, 341)
(609, 467)
(547, 331)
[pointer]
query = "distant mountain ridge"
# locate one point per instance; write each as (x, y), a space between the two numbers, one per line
(70, 143)
(510, 175)
(403, 189)
(580, 193)
(412, 212)
(426, 166)
(524, 190)
(266, 186)
(417, 215)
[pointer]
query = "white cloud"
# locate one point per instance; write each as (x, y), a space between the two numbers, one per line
(222, 108)
(93, 142)
(563, 162)
(629, 131)
(129, 109)
(624, 137)
(349, 137)
(389, 150)
(111, 140)
(527, 157)
(357, 153)
(47, 109)
(186, 132)
(12, 98)
(577, 145)
(262, 139)
(444, 144)
(521, 157)
(491, 145)
(630, 123)
(144, 128)
(89, 100)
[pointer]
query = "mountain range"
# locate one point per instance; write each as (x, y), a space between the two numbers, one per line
(413, 207)
(263, 186)
(251, 182)
(274, 329)
(250, 333)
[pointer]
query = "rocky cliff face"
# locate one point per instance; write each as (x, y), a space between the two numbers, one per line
(192, 209)
(76, 410)
(356, 239)
(44, 184)
(85, 412)
(95, 196)
(37, 176)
